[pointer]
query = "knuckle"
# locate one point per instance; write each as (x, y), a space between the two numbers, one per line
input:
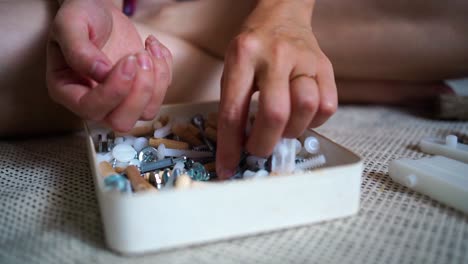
(329, 108)
(307, 104)
(162, 76)
(230, 116)
(147, 89)
(280, 49)
(246, 44)
(276, 116)
(118, 92)
(324, 62)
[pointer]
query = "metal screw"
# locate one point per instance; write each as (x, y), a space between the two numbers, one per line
(161, 164)
(198, 121)
(148, 154)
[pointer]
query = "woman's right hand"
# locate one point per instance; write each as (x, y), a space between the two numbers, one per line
(98, 67)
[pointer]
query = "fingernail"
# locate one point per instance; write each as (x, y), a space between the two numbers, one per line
(100, 69)
(165, 53)
(152, 39)
(154, 48)
(144, 61)
(129, 68)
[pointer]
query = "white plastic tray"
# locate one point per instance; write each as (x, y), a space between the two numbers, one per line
(143, 222)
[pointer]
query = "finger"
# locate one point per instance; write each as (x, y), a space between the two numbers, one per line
(166, 54)
(162, 61)
(273, 112)
(304, 104)
(124, 117)
(104, 98)
(327, 92)
(236, 91)
(80, 52)
(64, 85)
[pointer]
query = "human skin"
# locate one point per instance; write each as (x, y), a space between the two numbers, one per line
(379, 53)
(361, 44)
(98, 67)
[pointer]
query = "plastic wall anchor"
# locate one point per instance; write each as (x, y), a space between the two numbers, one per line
(311, 163)
(192, 154)
(449, 147)
(255, 162)
(284, 157)
(441, 178)
(312, 145)
(298, 145)
(135, 162)
(163, 131)
(119, 140)
(140, 143)
(106, 156)
(123, 152)
(179, 165)
(129, 139)
(248, 174)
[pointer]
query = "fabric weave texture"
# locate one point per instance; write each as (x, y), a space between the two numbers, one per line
(49, 212)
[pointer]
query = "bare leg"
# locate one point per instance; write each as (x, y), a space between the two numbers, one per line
(364, 39)
(382, 53)
(197, 75)
(25, 105)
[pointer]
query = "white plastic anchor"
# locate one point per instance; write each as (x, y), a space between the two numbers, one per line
(140, 143)
(123, 152)
(255, 162)
(284, 156)
(163, 131)
(248, 174)
(311, 145)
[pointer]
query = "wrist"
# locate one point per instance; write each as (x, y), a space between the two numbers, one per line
(299, 9)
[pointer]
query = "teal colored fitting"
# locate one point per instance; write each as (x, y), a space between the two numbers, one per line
(117, 182)
(198, 172)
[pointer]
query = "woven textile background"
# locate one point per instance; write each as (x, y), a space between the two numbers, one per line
(49, 212)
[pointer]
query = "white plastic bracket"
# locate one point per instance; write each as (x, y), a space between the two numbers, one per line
(439, 177)
(449, 148)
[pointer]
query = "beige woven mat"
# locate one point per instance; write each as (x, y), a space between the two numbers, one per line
(49, 213)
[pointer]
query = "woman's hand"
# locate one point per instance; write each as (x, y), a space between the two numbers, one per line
(276, 53)
(98, 67)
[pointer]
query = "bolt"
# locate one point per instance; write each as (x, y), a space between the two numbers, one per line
(148, 154)
(198, 121)
(161, 164)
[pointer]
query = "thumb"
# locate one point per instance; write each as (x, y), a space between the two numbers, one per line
(80, 53)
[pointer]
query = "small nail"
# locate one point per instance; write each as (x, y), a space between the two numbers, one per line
(144, 61)
(100, 69)
(129, 68)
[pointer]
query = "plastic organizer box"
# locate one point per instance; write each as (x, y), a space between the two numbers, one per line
(138, 223)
